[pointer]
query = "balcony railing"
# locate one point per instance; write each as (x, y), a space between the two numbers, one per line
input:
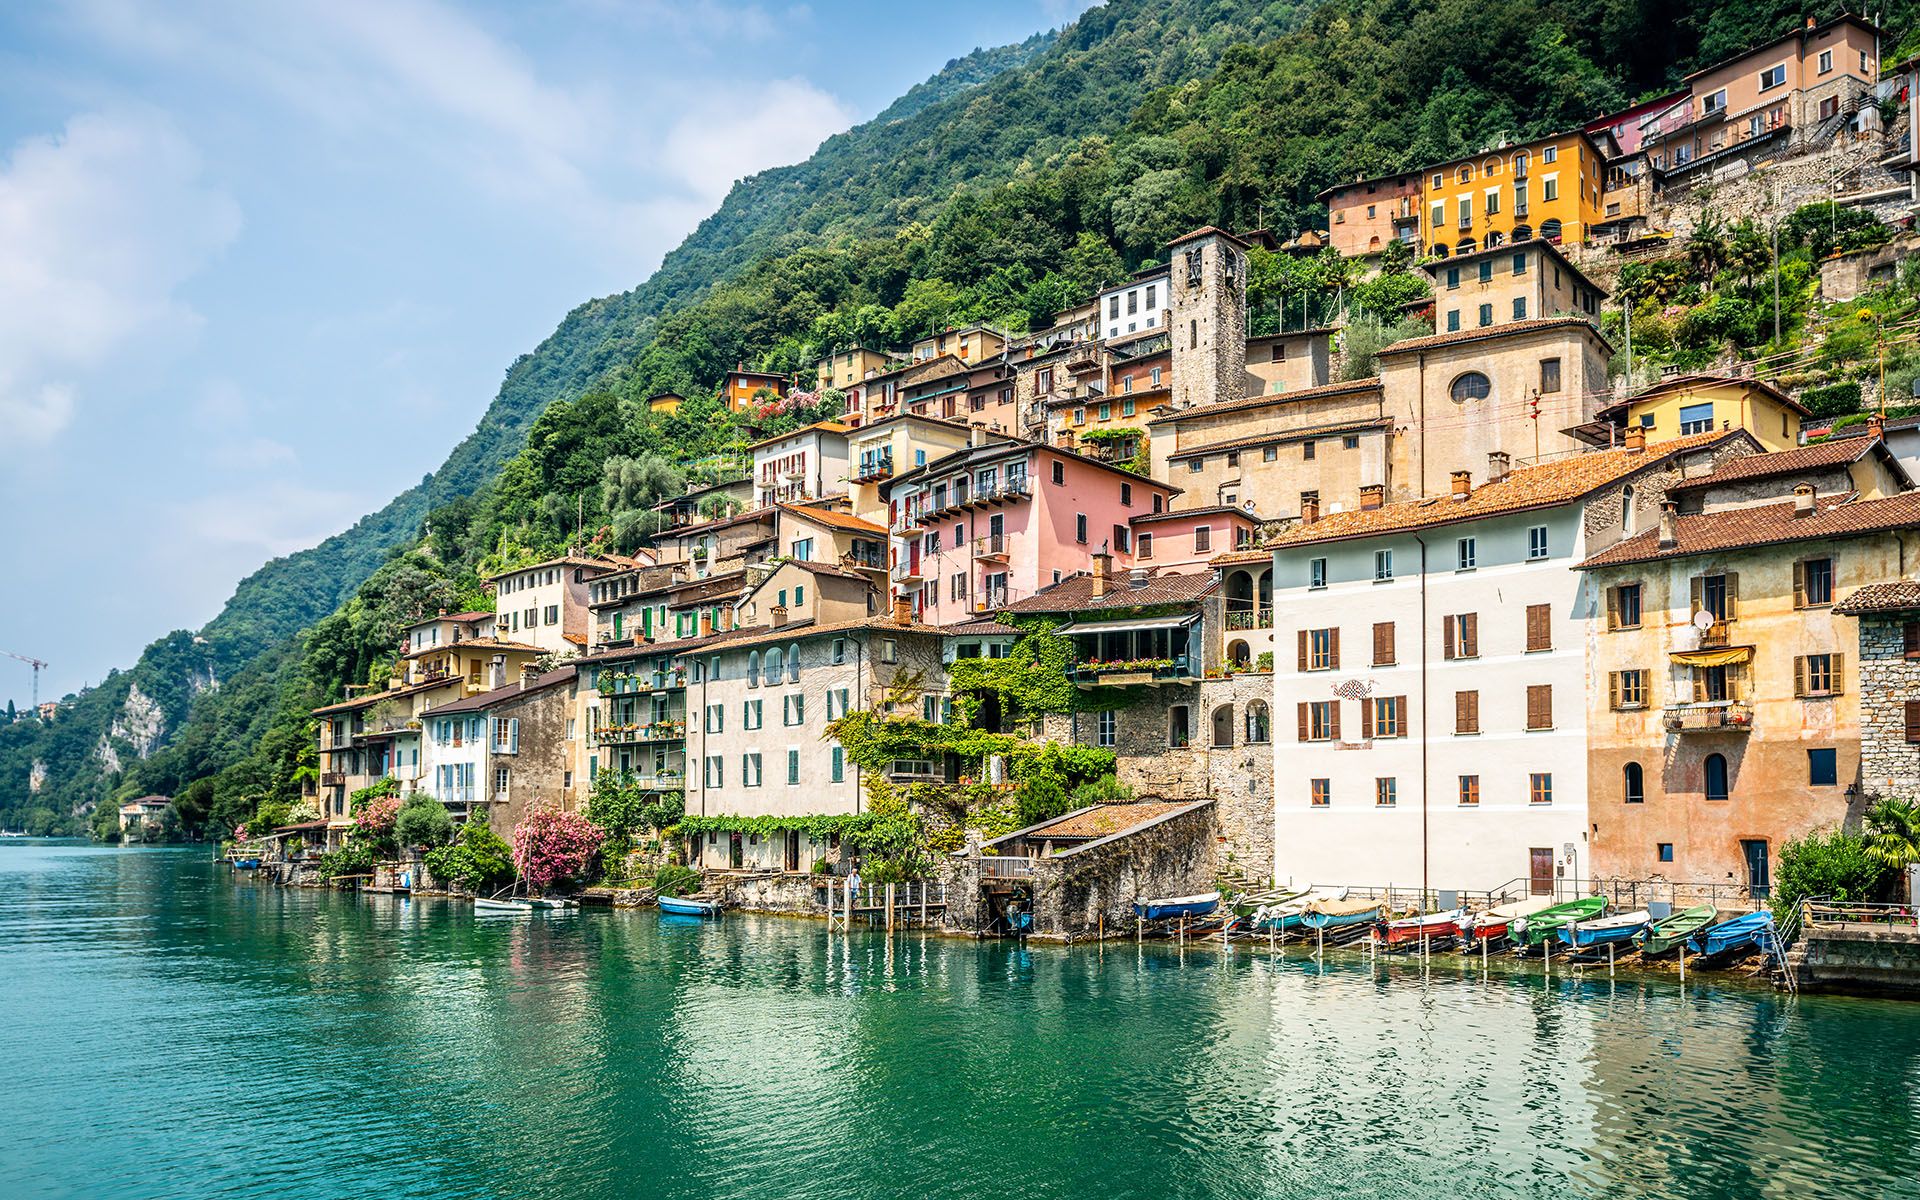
(871, 469)
(905, 571)
(653, 731)
(1709, 716)
(1263, 619)
(333, 779)
(1005, 866)
(994, 545)
(1138, 670)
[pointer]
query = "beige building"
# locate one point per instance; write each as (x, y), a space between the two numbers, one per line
(1518, 282)
(545, 605)
(1289, 362)
(972, 344)
(1367, 214)
(845, 368)
(880, 449)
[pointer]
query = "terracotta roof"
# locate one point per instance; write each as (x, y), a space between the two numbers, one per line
(1203, 231)
(1104, 820)
(1681, 383)
(565, 560)
(1312, 393)
(1535, 325)
(828, 426)
(372, 698)
(1814, 457)
(1075, 593)
(979, 629)
(1235, 558)
(476, 644)
(754, 635)
(834, 518)
(1211, 510)
(1900, 595)
(465, 618)
(1279, 436)
(511, 692)
(1766, 525)
(1543, 486)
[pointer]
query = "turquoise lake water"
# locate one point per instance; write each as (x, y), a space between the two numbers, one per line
(166, 1031)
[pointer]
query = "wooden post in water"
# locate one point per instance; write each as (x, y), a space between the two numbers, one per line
(1319, 940)
(890, 888)
(1609, 960)
(923, 904)
(1683, 963)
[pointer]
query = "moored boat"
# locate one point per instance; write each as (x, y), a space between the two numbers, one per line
(1431, 928)
(1494, 923)
(1604, 931)
(681, 906)
(1535, 928)
(1326, 915)
(1248, 903)
(1733, 935)
(502, 904)
(1288, 914)
(1171, 907)
(1671, 931)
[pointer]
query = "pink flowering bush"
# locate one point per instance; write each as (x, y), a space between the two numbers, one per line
(550, 845)
(376, 815)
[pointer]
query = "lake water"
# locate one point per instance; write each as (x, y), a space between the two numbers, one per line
(168, 1032)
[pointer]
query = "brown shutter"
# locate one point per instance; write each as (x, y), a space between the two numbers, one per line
(1540, 706)
(1466, 712)
(1613, 608)
(1910, 639)
(1333, 648)
(1799, 675)
(1366, 719)
(1446, 636)
(1383, 643)
(1912, 713)
(1613, 690)
(1470, 635)
(1399, 716)
(1333, 726)
(1799, 585)
(1733, 595)
(1696, 594)
(1837, 681)
(1699, 684)
(1539, 627)
(1303, 649)
(1305, 731)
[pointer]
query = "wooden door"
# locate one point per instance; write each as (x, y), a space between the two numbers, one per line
(1540, 870)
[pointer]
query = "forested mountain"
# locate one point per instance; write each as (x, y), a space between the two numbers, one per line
(1005, 187)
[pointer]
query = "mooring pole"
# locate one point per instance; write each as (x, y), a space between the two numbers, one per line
(1609, 960)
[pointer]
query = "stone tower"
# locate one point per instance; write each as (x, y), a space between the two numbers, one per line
(1207, 279)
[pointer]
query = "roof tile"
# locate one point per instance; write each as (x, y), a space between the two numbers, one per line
(1766, 525)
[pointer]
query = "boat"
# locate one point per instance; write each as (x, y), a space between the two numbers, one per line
(553, 902)
(1248, 903)
(1432, 928)
(1733, 935)
(1671, 931)
(1538, 927)
(1287, 914)
(1492, 924)
(1326, 915)
(681, 906)
(1603, 931)
(502, 904)
(1176, 906)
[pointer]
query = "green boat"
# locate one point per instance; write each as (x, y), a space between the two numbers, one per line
(1531, 930)
(1664, 935)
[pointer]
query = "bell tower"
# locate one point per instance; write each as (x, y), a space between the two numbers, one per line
(1207, 279)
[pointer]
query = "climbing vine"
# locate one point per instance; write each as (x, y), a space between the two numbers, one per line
(1034, 679)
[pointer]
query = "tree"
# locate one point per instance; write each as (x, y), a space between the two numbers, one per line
(1834, 864)
(422, 821)
(1707, 246)
(1893, 833)
(477, 859)
(551, 846)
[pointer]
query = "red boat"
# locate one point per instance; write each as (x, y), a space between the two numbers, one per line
(1434, 927)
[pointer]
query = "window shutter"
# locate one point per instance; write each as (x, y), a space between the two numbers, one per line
(1399, 716)
(1613, 608)
(1799, 585)
(1446, 636)
(1539, 627)
(1466, 712)
(1699, 684)
(1333, 648)
(1613, 690)
(1366, 719)
(1333, 726)
(1839, 674)
(1910, 639)
(1382, 643)
(1799, 675)
(1470, 635)
(1303, 657)
(1696, 594)
(1540, 706)
(1912, 714)
(1304, 730)
(1733, 595)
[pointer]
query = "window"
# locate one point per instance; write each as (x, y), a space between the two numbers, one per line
(750, 770)
(1383, 717)
(1453, 277)
(1126, 494)
(1633, 784)
(1453, 320)
(1196, 465)
(1539, 706)
(1696, 418)
(715, 774)
(1519, 308)
(1469, 791)
(1665, 850)
(1382, 564)
(1269, 453)
(836, 703)
(1486, 264)
(1465, 554)
(553, 614)
(716, 719)
(1537, 542)
(1259, 723)
(1145, 546)
(1350, 442)
(1319, 649)
(1384, 792)
(1179, 726)
(1321, 791)
(839, 650)
(1317, 578)
(1549, 190)
(1540, 788)
(1202, 538)
(1486, 315)
(1059, 472)
(1910, 719)
(1716, 776)
(1717, 594)
(1306, 450)
(793, 710)
(1466, 712)
(1715, 102)
(1107, 728)
(1813, 583)
(1080, 528)
(1471, 386)
(1383, 648)
(1153, 377)
(1319, 720)
(1817, 675)
(1627, 689)
(1460, 636)
(1539, 627)
(1549, 374)
(750, 714)
(1520, 263)
(839, 764)
(1106, 412)
(1623, 606)
(793, 767)
(889, 650)
(1772, 77)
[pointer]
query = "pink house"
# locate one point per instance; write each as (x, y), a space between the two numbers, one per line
(996, 522)
(1185, 540)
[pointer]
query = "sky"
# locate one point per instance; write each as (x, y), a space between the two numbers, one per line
(263, 265)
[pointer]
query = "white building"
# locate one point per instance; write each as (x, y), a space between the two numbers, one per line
(1139, 304)
(806, 464)
(1431, 693)
(545, 605)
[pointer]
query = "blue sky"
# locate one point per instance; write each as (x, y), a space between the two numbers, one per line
(262, 265)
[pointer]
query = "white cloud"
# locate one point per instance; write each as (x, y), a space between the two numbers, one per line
(99, 227)
(741, 132)
(267, 521)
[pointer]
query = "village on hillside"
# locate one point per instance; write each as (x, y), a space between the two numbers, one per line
(1143, 603)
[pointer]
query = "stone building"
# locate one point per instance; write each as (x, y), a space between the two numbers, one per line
(1208, 279)
(503, 753)
(1889, 665)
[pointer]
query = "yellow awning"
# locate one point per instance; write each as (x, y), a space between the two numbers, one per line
(1724, 657)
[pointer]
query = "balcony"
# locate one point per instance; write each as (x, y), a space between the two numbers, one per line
(625, 683)
(333, 779)
(1249, 619)
(906, 571)
(1466, 223)
(878, 467)
(863, 562)
(994, 545)
(1709, 716)
(630, 735)
(1129, 672)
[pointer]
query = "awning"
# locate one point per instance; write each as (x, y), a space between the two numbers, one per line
(1139, 624)
(1725, 657)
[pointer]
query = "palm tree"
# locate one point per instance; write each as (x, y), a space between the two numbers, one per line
(1893, 833)
(1707, 247)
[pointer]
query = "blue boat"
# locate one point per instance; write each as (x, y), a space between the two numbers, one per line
(1618, 928)
(1342, 914)
(1177, 906)
(679, 907)
(1739, 933)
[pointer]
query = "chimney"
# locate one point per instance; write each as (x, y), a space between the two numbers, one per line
(526, 676)
(1309, 507)
(1669, 524)
(779, 615)
(1876, 426)
(1802, 499)
(1636, 437)
(1499, 462)
(1372, 495)
(442, 612)
(1137, 578)
(1102, 571)
(976, 436)
(1462, 484)
(497, 677)
(902, 611)
(705, 624)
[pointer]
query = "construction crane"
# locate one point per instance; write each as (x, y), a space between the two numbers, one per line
(37, 666)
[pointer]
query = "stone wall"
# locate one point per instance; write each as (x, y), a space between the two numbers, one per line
(784, 892)
(1874, 961)
(1845, 276)
(1889, 764)
(1240, 776)
(1209, 321)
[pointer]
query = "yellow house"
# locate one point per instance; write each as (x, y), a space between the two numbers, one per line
(741, 385)
(1550, 188)
(844, 368)
(970, 345)
(665, 402)
(1687, 404)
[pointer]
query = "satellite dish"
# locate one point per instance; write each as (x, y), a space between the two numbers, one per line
(1704, 620)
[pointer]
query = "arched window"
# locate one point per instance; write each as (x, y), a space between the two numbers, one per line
(1626, 511)
(1633, 784)
(1522, 233)
(753, 668)
(1223, 725)
(774, 666)
(1238, 656)
(1550, 229)
(1520, 159)
(793, 663)
(1490, 168)
(1465, 246)
(1471, 386)
(1716, 776)
(1373, 243)
(1465, 175)
(1494, 238)
(1440, 251)
(1259, 723)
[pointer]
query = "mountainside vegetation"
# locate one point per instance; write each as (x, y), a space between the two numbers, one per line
(1005, 188)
